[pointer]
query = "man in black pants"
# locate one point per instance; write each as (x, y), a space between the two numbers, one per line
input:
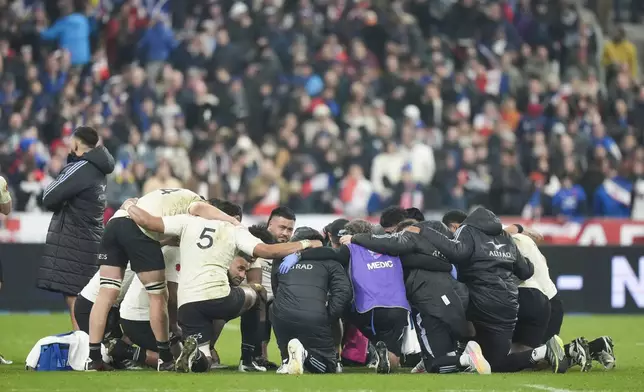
(487, 261)
(301, 318)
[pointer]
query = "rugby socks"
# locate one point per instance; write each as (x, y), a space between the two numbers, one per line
(200, 363)
(164, 351)
(596, 346)
(138, 354)
(261, 327)
(95, 352)
(123, 350)
(538, 354)
(249, 330)
(447, 364)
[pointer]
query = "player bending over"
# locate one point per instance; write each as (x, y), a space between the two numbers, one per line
(207, 249)
(124, 241)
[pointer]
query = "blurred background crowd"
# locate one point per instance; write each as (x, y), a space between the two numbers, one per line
(344, 106)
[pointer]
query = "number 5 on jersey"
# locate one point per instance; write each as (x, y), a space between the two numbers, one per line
(205, 239)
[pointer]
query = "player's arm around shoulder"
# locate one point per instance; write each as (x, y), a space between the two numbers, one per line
(171, 225)
(275, 251)
(207, 211)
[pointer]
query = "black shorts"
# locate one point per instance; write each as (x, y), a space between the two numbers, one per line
(195, 318)
(82, 310)
(533, 317)
(124, 241)
(140, 333)
(383, 325)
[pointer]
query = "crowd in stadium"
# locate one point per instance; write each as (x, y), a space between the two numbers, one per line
(328, 105)
(183, 115)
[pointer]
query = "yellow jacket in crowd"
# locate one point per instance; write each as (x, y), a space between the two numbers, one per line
(621, 52)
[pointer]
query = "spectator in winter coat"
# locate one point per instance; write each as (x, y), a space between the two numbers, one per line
(620, 51)
(155, 46)
(72, 33)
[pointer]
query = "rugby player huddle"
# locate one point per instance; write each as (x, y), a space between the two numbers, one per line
(172, 267)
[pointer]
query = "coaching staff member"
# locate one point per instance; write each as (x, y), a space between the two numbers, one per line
(301, 318)
(77, 199)
(488, 262)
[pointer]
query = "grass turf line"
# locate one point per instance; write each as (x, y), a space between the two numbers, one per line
(18, 333)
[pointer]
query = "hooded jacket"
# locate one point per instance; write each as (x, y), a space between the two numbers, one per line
(77, 199)
(311, 292)
(489, 263)
(428, 281)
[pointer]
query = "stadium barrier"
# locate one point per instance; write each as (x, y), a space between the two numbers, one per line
(32, 228)
(590, 279)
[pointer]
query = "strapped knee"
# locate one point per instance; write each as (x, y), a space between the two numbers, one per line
(156, 287)
(109, 283)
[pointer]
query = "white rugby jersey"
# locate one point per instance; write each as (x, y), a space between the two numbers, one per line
(207, 249)
(541, 278)
(90, 291)
(164, 202)
(136, 304)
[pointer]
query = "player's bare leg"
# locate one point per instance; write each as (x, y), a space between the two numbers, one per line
(70, 300)
(155, 285)
(111, 280)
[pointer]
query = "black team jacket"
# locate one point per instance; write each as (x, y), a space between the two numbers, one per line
(489, 263)
(303, 292)
(431, 289)
(77, 199)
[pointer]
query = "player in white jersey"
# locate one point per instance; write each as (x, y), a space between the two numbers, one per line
(538, 319)
(85, 302)
(207, 250)
(124, 241)
(235, 211)
(281, 224)
(534, 298)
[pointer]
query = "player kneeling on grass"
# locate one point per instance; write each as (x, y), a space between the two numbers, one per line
(539, 321)
(207, 249)
(309, 300)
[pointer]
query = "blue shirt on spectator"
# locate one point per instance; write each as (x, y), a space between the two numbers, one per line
(72, 32)
(53, 85)
(609, 145)
(613, 198)
(157, 43)
(569, 202)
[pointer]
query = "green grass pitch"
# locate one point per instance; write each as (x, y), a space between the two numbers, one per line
(18, 333)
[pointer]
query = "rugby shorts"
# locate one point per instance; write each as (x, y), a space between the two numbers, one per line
(124, 241)
(195, 318)
(532, 319)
